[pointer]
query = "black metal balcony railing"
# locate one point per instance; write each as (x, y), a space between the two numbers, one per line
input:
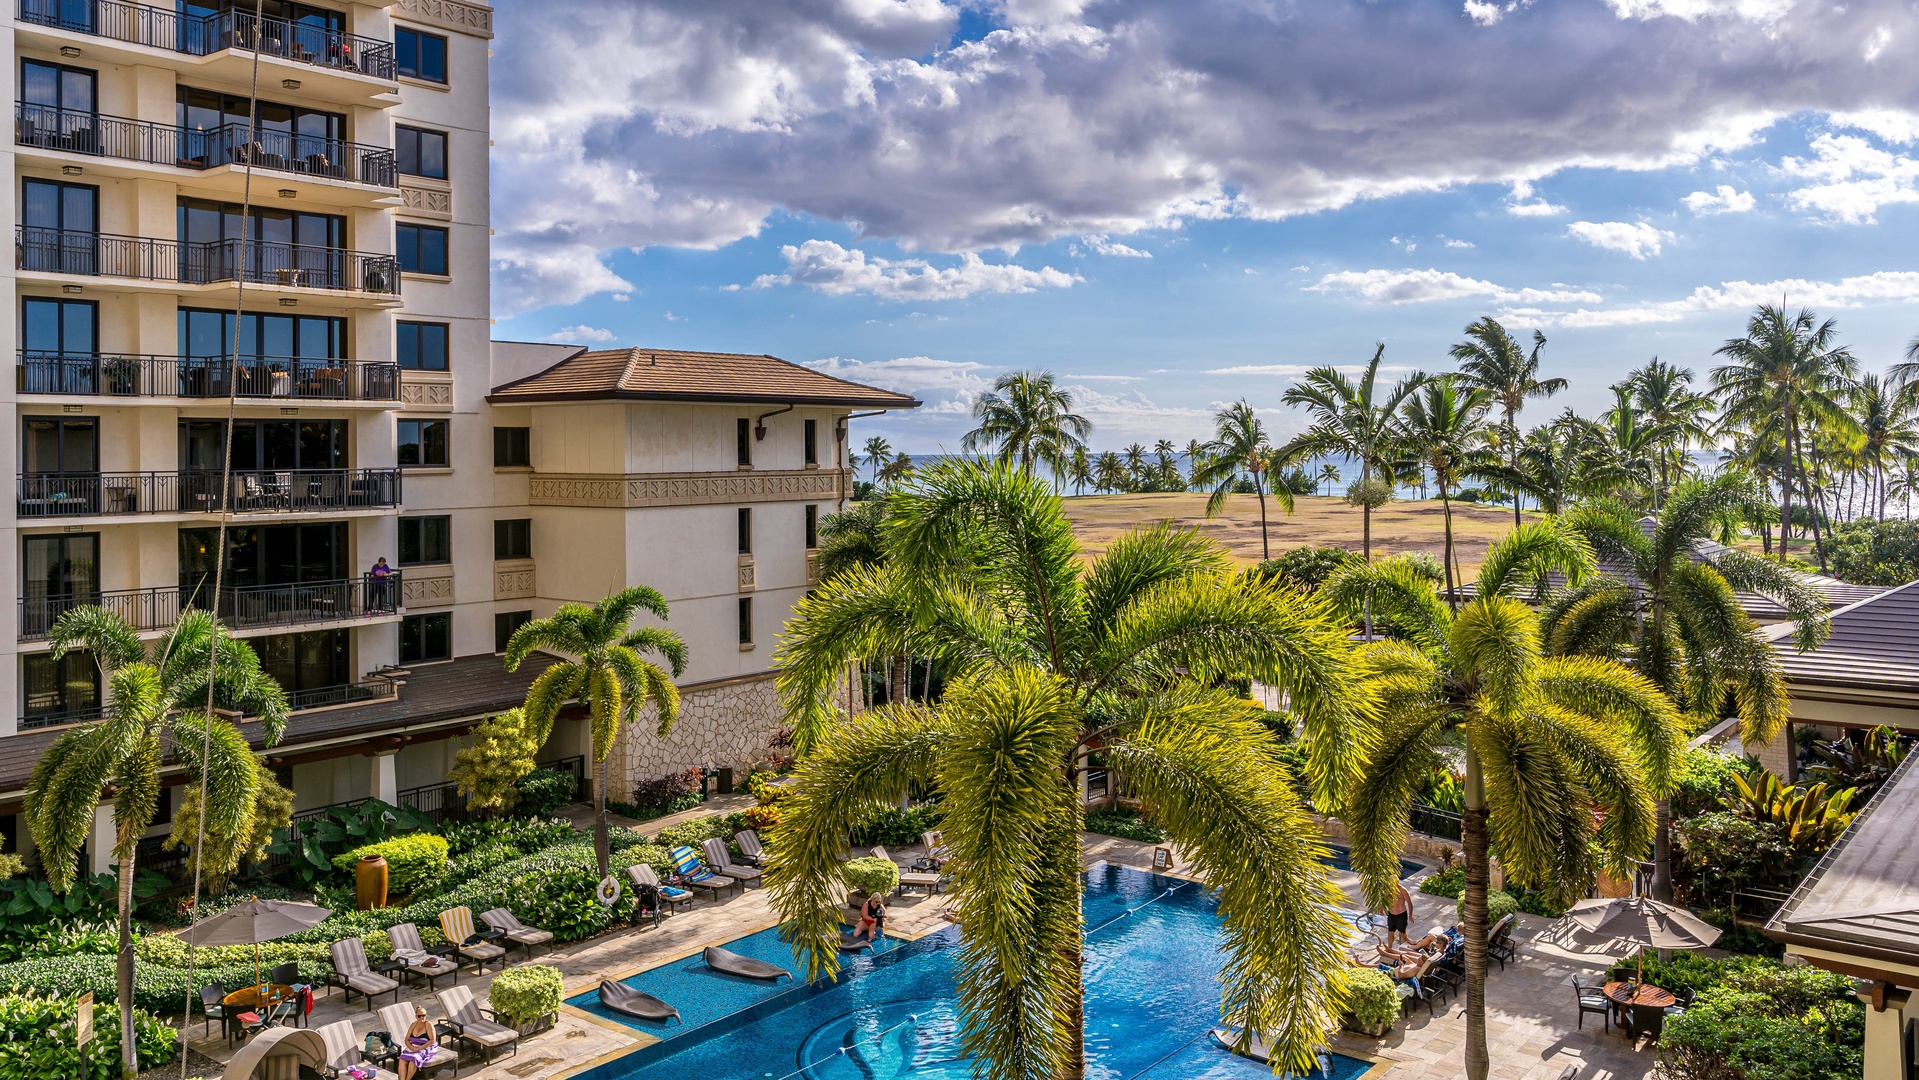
(301, 378)
(200, 35)
(293, 491)
(78, 715)
(247, 607)
(64, 251)
(76, 132)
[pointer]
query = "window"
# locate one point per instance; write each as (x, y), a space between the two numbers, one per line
(504, 623)
(426, 540)
(419, 152)
(59, 691)
(54, 446)
(743, 434)
(57, 347)
(59, 222)
(746, 530)
(422, 56)
(421, 346)
(746, 620)
(203, 221)
(57, 573)
(513, 538)
(311, 667)
(425, 638)
(812, 525)
(48, 89)
(213, 130)
(812, 442)
(421, 249)
(424, 443)
(512, 447)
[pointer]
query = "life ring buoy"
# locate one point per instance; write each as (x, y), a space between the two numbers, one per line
(609, 891)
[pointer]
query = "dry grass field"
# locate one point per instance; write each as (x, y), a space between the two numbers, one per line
(1318, 521)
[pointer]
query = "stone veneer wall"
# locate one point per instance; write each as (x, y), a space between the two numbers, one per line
(733, 722)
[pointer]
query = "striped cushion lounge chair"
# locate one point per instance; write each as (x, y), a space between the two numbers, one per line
(429, 964)
(690, 871)
(911, 879)
(515, 931)
(352, 973)
(458, 926)
(752, 852)
(395, 1020)
(472, 1024)
(343, 1050)
(645, 877)
(722, 862)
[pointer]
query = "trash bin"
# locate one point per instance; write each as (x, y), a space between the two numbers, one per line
(726, 780)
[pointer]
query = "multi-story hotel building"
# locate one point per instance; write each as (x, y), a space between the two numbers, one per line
(321, 170)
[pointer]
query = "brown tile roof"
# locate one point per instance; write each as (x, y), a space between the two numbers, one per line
(1874, 645)
(1865, 891)
(673, 375)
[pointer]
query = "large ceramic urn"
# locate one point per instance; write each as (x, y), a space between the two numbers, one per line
(369, 878)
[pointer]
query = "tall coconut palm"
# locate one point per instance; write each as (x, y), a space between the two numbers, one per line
(1050, 656)
(1238, 449)
(156, 705)
(1195, 450)
(878, 453)
(1079, 471)
(1442, 430)
(1110, 472)
(1888, 423)
(1355, 420)
(1663, 394)
(1786, 374)
(602, 666)
(1677, 618)
(1549, 741)
(1027, 418)
(1329, 475)
(1491, 360)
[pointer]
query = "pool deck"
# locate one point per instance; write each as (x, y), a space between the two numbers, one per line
(1532, 1023)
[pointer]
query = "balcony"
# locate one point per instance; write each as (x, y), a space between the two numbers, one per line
(291, 491)
(270, 378)
(68, 131)
(299, 266)
(252, 607)
(206, 35)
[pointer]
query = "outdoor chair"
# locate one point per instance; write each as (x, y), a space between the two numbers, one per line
(516, 932)
(1593, 999)
(911, 879)
(722, 862)
(645, 878)
(412, 957)
(293, 1008)
(395, 1020)
(213, 1007)
(1424, 989)
(470, 1023)
(344, 1051)
(936, 854)
(469, 943)
(1499, 943)
(752, 852)
(352, 973)
(688, 869)
(1682, 1000)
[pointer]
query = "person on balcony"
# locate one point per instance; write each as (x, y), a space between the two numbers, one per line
(379, 582)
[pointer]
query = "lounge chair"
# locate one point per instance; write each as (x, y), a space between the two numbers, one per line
(470, 1023)
(343, 1051)
(457, 923)
(722, 863)
(732, 963)
(352, 973)
(515, 931)
(1424, 989)
(621, 998)
(1499, 941)
(752, 852)
(414, 958)
(645, 878)
(911, 879)
(936, 853)
(688, 870)
(395, 1020)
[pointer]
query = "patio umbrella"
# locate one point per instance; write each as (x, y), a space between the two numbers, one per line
(1641, 921)
(252, 921)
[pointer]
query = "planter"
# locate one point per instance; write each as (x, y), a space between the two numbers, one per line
(1377, 1031)
(369, 883)
(537, 1024)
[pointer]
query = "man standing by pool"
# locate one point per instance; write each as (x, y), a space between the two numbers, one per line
(1400, 916)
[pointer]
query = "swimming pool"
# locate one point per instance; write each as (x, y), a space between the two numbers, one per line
(1151, 998)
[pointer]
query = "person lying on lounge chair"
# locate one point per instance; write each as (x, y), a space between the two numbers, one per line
(1391, 964)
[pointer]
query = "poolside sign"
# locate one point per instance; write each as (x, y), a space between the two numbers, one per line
(1162, 858)
(83, 1019)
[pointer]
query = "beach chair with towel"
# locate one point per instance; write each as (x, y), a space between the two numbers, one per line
(353, 974)
(646, 880)
(514, 931)
(344, 1052)
(690, 871)
(457, 923)
(430, 964)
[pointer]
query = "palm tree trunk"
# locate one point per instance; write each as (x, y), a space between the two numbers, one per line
(1662, 854)
(896, 686)
(123, 965)
(1265, 548)
(601, 847)
(1445, 502)
(1476, 848)
(1785, 501)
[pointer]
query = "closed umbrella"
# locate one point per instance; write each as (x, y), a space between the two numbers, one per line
(1641, 921)
(250, 922)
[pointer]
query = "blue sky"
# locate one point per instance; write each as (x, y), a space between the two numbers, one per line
(1172, 213)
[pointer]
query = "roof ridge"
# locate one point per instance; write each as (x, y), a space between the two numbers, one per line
(1779, 630)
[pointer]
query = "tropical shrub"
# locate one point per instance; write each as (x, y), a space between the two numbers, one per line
(760, 818)
(1863, 765)
(37, 1040)
(413, 863)
(1448, 883)
(1723, 853)
(525, 835)
(1767, 1023)
(894, 827)
(1125, 823)
(875, 877)
(1703, 778)
(700, 829)
(1536, 903)
(1876, 553)
(670, 794)
(1304, 568)
(565, 901)
(1371, 999)
(342, 828)
(77, 938)
(1809, 819)
(763, 787)
(542, 790)
(1499, 904)
(526, 993)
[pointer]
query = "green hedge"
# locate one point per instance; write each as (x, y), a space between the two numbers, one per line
(1371, 998)
(693, 833)
(37, 1040)
(1124, 823)
(1499, 904)
(413, 863)
(872, 875)
(524, 835)
(1447, 883)
(526, 993)
(894, 827)
(1757, 1019)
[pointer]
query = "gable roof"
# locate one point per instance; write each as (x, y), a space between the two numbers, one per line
(1874, 644)
(1865, 891)
(635, 374)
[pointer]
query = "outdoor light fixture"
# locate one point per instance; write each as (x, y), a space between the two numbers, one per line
(69, 51)
(289, 84)
(288, 301)
(289, 193)
(70, 170)
(72, 289)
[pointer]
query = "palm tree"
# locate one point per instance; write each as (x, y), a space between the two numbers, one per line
(1079, 471)
(1888, 423)
(896, 470)
(1050, 656)
(878, 453)
(1239, 447)
(155, 705)
(602, 666)
(1548, 740)
(1663, 393)
(1135, 458)
(1623, 452)
(852, 538)
(1441, 425)
(1785, 375)
(1195, 450)
(1027, 417)
(1353, 420)
(1492, 361)
(1678, 620)
(1111, 472)
(1329, 475)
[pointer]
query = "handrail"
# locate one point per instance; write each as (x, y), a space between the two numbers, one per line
(245, 607)
(77, 132)
(66, 251)
(89, 494)
(202, 35)
(151, 375)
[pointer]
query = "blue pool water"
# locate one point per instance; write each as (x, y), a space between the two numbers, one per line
(1151, 997)
(1342, 859)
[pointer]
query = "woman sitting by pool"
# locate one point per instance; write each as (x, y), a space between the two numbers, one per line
(872, 919)
(418, 1048)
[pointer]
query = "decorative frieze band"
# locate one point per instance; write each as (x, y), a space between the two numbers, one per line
(747, 579)
(434, 202)
(682, 489)
(421, 393)
(513, 579)
(426, 586)
(468, 18)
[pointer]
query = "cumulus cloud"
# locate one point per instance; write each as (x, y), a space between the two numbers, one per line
(572, 334)
(688, 124)
(1294, 370)
(1453, 242)
(839, 271)
(1634, 238)
(1885, 286)
(944, 386)
(1425, 286)
(1725, 199)
(1098, 244)
(1521, 203)
(1849, 178)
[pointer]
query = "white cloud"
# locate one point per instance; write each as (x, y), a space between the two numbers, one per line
(1850, 179)
(1890, 125)
(561, 275)
(1724, 199)
(1521, 203)
(1876, 45)
(1102, 246)
(1883, 287)
(1301, 268)
(1634, 238)
(1298, 369)
(1425, 286)
(945, 386)
(1453, 242)
(579, 333)
(840, 271)
(1763, 11)
(1101, 378)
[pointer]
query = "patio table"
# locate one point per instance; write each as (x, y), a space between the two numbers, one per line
(1643, 1006)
